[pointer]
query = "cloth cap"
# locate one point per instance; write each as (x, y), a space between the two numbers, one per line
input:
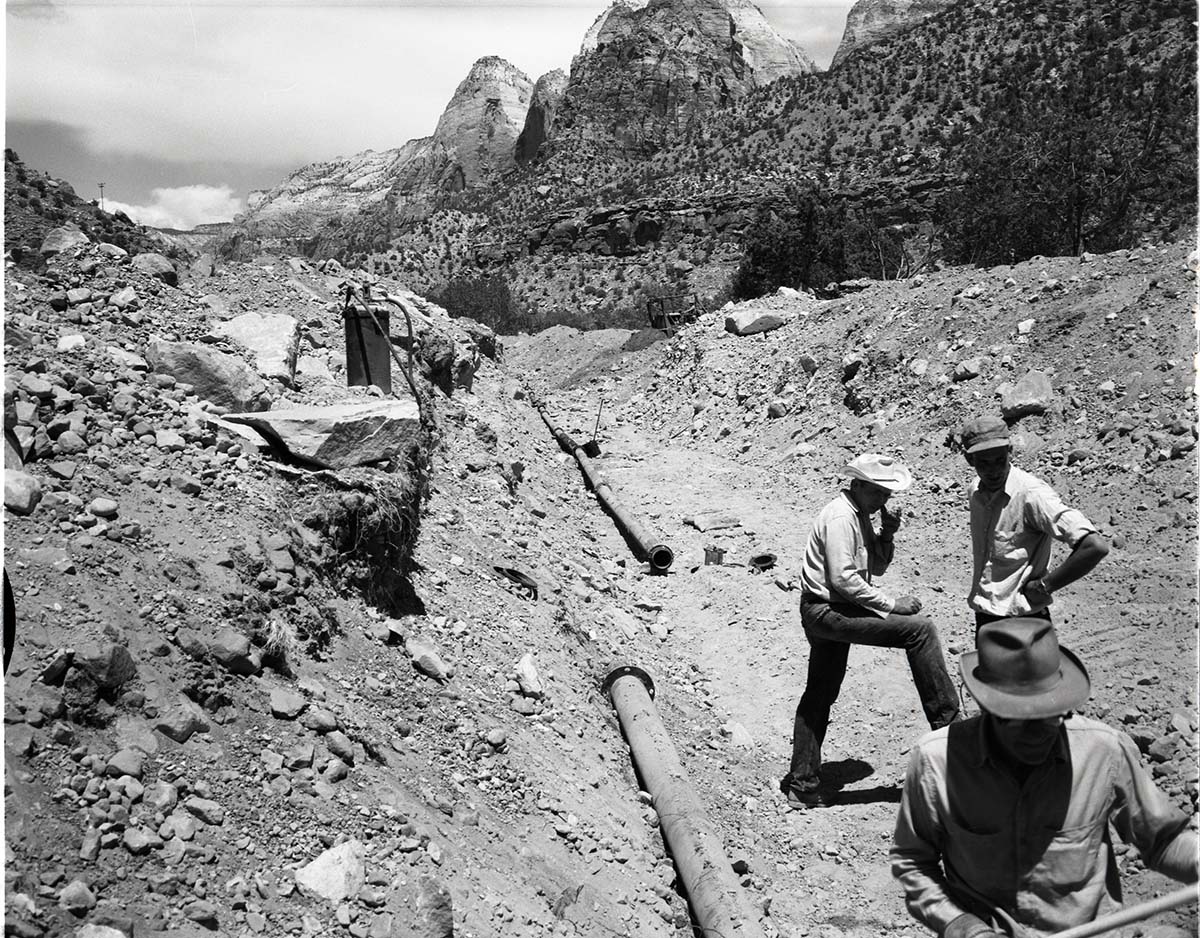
(984, 433)
(879, 470)
(1019, 672)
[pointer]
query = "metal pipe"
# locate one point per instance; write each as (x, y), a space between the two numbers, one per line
(651, 545)
(718, 903)
(1136, 913)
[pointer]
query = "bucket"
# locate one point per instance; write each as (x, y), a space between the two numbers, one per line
(714, 556)
(368, 352)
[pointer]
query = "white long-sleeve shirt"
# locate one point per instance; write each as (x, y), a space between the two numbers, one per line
(843, 553)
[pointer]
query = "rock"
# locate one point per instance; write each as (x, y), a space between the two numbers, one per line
(161, 795)
(337, 874)
(70, 442)
(527, 677)
(307, 366)
(181, 722)
(127, 761)
(232, 650)
(62, 239)
(320, 721)
(22, 492)
(738, 734)
(274, 338)
(750, 321)
(1031, 395)
(340, 745)
(203, 912)
(286, 704)
(103, 507)
(155, 265)
(435, 909)
(110, 666)
(215, 376)
(968, 369)
(127, 359)
(342, 435)
(778, 409)
(713, 521)
(77, 898)
(125, 298)
(208, 811)
(139, 841)
(426, 658)
(69, 343)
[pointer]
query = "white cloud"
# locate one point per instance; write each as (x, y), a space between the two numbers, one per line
(183, 207)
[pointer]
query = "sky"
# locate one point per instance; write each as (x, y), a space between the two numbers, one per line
(182, 107)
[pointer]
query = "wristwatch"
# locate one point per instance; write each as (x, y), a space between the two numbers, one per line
(1041, 584)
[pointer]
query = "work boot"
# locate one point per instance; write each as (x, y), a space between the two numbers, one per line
(803, 800)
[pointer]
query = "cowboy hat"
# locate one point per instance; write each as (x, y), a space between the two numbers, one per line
(879, 470)
(1019, 672)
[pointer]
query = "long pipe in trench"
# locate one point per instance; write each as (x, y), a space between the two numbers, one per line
(651, 544)
(717, 901)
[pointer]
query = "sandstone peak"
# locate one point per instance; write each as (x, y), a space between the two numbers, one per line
(649, 71)
(539, 121)
(871, 20)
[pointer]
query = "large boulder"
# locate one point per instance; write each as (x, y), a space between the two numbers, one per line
(341, 435)
(751, 321)
(157, 266)
(227, 382)
(1033, 394)
(337, 874)
(274, 338)
(60, 239)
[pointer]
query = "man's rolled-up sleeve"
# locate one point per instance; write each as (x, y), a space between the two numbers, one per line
(1045, 511)
(916, 854)
(1148, 820)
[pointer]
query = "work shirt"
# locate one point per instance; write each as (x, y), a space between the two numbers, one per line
(843, 553)
(1012, 531)
(971, 837)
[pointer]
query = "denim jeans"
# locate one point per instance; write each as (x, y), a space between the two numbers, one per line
(831, 628)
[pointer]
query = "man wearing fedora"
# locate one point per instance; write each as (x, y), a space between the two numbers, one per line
(1015, 517)
(841, 606)
(1004, 820)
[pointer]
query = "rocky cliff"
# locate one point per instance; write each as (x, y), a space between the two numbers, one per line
(871, 20)
(539, 121)
(370, 192)
(647, 73)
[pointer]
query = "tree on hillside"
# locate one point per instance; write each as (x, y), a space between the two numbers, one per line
(1062, 168)
(811, 239)
(486, 299)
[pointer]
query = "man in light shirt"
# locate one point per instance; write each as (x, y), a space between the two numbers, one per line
(841, 606)
(1004, 821)
(1015, 518)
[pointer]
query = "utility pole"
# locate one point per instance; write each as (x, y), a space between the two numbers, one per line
(101, 185)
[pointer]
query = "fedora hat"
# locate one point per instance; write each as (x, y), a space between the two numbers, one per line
(1018, 671)
(984, 433)
(879, 470)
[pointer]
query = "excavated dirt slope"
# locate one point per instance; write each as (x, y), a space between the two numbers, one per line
(459, 757)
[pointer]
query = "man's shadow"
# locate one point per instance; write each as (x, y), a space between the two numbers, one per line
(835, 776)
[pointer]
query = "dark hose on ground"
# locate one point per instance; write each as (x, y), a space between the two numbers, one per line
(718, 903)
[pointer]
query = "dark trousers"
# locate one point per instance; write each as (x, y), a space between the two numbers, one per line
(831, 628)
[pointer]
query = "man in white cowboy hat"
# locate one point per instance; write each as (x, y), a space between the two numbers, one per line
(841, 606)
(1005, 816)
(1015, 518)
